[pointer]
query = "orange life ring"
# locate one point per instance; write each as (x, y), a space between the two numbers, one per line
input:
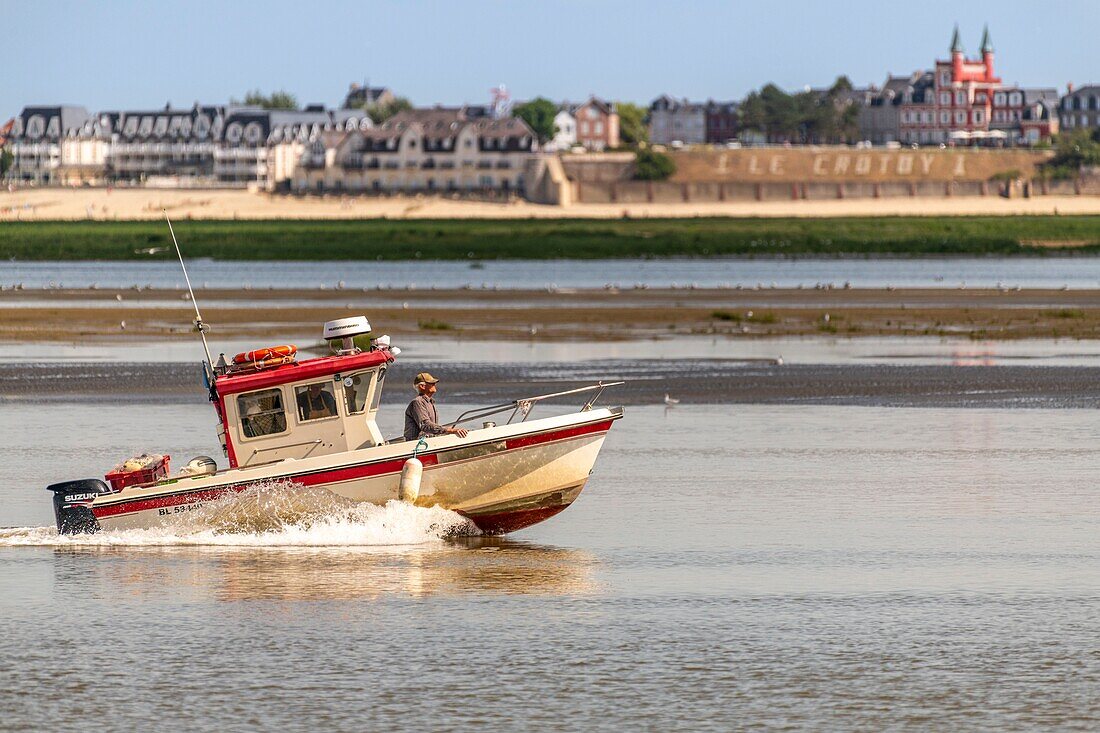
(267, 356)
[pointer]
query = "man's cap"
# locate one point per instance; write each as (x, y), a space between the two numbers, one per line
(424, 377)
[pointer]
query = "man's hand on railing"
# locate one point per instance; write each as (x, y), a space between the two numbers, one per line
(460, 432)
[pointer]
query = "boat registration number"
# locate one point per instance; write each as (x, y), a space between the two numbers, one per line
(178, 509)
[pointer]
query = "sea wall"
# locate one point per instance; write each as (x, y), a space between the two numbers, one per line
(815, 173)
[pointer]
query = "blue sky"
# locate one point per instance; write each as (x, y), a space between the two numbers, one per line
(109, 55)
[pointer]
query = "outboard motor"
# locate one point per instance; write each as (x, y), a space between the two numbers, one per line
(72, 505)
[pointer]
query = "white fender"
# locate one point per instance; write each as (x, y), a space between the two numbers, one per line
(409, 488)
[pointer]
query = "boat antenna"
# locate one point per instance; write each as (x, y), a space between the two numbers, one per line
(199, 325)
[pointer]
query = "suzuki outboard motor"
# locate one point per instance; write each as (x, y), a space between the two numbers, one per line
(72, 505)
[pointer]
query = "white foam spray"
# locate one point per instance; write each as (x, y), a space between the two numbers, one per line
(273, 514)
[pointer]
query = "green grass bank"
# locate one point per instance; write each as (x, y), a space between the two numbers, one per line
(549, 239)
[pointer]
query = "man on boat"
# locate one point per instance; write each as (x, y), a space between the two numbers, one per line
(316, 402)
(421, 418)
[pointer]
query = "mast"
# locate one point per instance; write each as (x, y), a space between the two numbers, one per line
(199, 325)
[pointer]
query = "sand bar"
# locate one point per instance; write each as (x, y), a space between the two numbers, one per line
(73, 315)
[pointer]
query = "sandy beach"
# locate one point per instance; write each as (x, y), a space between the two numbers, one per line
(100, 204)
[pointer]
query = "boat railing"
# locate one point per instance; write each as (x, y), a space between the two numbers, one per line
(522, 408)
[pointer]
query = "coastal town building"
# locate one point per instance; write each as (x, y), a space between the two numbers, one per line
(166, 146)
(565, 130)
(677, 121)
(360, 96)
(262, 146)
(36, 136)
(1080, 107)
(206, 145)
(879, 121)
(597, 124)
(445, 149)
(959, 101)
(722, 121)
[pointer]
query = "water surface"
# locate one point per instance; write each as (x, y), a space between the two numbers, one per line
(728, 567)
(985, 272)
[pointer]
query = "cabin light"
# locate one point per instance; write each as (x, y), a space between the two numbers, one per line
(382, 342)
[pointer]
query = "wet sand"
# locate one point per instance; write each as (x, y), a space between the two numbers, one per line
(126, 315)
(57, 204)
(691, 381)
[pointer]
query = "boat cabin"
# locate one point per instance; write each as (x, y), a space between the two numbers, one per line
(273, 407)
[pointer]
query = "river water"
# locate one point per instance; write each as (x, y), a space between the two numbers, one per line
(931, 272)
(729, 566)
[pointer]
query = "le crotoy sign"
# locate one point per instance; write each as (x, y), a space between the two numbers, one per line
(787, 164)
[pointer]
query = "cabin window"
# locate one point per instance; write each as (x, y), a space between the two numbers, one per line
(262, 413)
(356, 388)
(377, 396)
(315, 401)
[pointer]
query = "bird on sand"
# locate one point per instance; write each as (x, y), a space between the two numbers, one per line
(671, 400)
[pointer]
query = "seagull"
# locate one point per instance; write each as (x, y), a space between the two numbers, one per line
(670, 400)
(779, 360)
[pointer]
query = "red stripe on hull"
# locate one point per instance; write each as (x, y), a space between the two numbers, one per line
(506, 522)
(349, 473)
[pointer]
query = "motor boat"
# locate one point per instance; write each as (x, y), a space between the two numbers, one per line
(312, 423)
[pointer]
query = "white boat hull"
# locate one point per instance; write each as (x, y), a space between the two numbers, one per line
(502, 478)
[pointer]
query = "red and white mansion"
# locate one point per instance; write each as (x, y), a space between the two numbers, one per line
(960, 102)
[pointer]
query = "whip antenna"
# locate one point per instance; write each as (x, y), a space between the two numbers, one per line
(199, 325)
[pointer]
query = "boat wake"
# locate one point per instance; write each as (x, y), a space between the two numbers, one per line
(273, 514)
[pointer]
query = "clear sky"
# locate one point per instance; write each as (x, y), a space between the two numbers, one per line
(126, 54)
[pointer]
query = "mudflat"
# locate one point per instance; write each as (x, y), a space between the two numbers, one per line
(71, 315)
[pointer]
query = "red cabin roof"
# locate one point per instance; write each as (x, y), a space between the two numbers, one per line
(321, 367)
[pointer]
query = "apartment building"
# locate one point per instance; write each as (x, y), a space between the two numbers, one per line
(206, 145)
(1080, 107)
(438, 149)
(677, 121)
(36, 136)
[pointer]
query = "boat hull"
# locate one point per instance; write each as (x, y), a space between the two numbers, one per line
(502, 478)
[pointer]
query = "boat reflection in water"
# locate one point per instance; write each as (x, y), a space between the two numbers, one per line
(459, 566)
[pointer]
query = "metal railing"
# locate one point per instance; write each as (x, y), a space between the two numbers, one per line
(527, 404)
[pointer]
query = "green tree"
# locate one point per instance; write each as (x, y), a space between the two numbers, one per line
(649, 165)
(539, 114)
(805, 117)
(752, 115)
(276, 100)
(1072, 151)
(632, 126)
(382, 111)
(6, 159)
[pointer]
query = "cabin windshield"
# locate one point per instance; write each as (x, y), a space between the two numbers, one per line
(358, 387)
